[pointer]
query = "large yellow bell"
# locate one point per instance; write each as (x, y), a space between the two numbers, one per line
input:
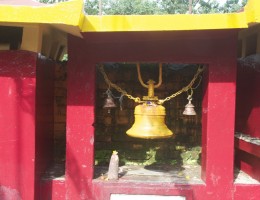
(149, 122)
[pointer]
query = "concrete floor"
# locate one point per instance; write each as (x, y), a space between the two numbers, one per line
(186, 174)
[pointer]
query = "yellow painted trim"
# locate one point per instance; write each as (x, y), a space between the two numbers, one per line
(163, 22)
(70, 13)
(69, 17)
(252, 10)
(249, 16)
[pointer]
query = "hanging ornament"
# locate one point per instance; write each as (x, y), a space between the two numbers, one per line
(149, 122)
(109, 101)
(150, 117)
(189, 108)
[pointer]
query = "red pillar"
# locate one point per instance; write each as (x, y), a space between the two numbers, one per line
(17, 124)
(218, 129)
(80, 119)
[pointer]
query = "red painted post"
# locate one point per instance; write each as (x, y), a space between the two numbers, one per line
(80, 119)
(218, 129)
(17, 124)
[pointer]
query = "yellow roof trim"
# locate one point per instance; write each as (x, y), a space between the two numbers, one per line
(250, 15)
(252, 10)
(163, 22)
(69, 13)
(70, 17)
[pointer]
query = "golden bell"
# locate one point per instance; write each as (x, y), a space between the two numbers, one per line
(189, 109)
(149, 122)
(109, 102)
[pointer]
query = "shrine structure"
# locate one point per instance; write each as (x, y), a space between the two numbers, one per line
(34, 38)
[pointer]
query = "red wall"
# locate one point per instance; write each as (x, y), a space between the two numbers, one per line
(247, 120)
(17, 124)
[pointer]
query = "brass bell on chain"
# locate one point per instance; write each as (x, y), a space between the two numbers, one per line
(149, 122)
(189, 108)
(149, 116)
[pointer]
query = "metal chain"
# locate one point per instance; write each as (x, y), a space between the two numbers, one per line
(184, 89)
(137, 99)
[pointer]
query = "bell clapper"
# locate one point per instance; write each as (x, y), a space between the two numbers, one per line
(113, 168)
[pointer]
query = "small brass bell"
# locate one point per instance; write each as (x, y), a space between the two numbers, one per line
(149, 122)
(109, 102)
(189, 108)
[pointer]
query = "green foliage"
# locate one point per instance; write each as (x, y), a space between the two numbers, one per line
(91, 7)
(174, 6)
(65, 58)
(151, 7)
(123, 7)
(207, 7)
(51, 1)
(120, 7)
(232, 6)
(146, 7)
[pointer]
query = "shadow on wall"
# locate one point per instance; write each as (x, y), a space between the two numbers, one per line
(17, 116)
(27, 117)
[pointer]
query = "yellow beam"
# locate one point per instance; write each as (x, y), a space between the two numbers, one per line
(252, 10)
(69, 13)
(249, 16)
(163, 22)
(69, 17)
